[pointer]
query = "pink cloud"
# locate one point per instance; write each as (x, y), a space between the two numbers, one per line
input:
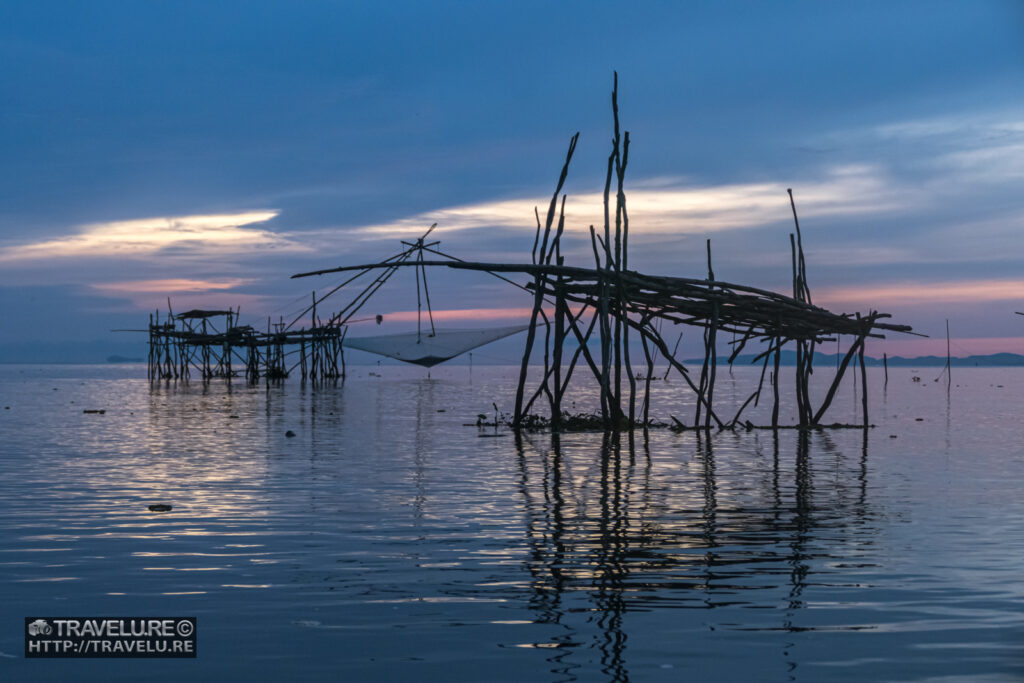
(465, 314)
(961, 291)
(255, 304)
(202, 234)
(169, 286)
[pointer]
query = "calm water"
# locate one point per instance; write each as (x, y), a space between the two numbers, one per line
(388, 541)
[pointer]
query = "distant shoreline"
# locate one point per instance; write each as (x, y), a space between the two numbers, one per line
(995, 360)
(787, 358)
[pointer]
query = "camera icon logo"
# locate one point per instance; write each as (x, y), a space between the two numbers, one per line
(39, 627)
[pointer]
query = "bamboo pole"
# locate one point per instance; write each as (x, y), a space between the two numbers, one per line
(647, 381)
(854, 347)
(556, 408)
(711, 355)
(775, 386)
(863, 384)
(949, 360)
(539, 294)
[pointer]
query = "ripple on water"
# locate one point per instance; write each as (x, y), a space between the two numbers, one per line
(386, 534)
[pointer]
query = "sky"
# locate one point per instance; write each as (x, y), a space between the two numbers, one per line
(207, 151)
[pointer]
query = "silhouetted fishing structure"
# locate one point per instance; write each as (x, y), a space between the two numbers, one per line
(213, 344)
(571, 302)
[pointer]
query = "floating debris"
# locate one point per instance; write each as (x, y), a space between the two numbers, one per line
(289, 434)
(95, 411)
(160, 507)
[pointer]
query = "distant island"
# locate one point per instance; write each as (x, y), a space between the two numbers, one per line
(821, 360)
(824, 359)
(124, 359)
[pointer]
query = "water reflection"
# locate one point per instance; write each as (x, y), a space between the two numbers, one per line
(387, 534)
(613, 542)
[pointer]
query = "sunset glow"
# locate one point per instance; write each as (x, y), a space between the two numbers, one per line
(673, 207)
(926, 293)
(175, 285)
(204, 234)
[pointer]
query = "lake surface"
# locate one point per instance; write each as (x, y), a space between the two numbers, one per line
(388, 541)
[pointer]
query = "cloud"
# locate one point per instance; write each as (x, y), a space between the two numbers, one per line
(994, 163)
(958, 291)
(187, 293)
(984, 127)
(446, 315)
(663, 208)
(984, 147)
(251, 304)
(170, 286)
(145, 237)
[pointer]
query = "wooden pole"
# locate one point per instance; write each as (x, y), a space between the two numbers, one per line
(556, 408)
(538, 300)
(674, 350)
(863, 383)
(949, 359)
(647, 381)
(854, 347)
(775, 385)
(712, 350)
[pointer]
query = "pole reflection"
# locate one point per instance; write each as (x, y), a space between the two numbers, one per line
(616, 537)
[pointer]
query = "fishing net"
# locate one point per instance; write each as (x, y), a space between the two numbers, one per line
(430, 349)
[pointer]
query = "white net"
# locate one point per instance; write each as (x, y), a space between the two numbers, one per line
(430, 349)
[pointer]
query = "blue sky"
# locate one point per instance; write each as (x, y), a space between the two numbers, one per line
(206, 151)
